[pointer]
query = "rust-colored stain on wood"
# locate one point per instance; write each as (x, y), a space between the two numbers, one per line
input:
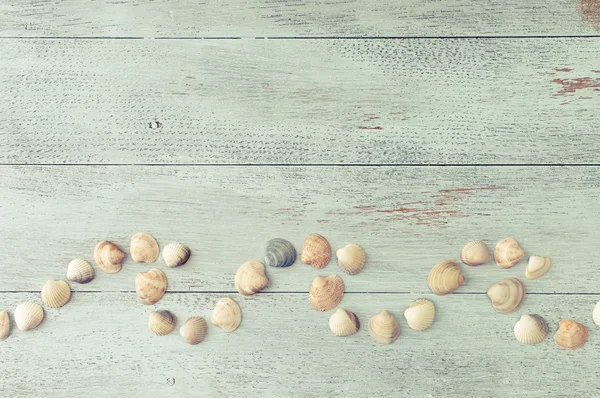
(570, 86)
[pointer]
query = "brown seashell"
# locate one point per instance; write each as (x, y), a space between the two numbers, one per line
(4, 325)
(28, 315)
(326, 292)
(508, 253)
(193, 330)
(383, 328)
(445, 277)
(250, 278)
(531, 329)
(80, 271)
(55, 294)
(570, 335)
(474, 253)
(162, 322)
(507, 295)
(144, 248)
(108, 257)
(150, 286)
(537, 266)
(226, 315)
(343, 323)
(419, 314)
(176, 254)
(351, 259)
(316, 251)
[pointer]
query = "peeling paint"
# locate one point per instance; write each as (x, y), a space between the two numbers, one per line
(570, 86)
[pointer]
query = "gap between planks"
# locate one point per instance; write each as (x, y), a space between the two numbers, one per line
(303, 164)
(302, 37)
(296, 292)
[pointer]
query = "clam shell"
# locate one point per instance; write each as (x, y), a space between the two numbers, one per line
(251, 278)
(537, 266)
(419, 314)
(162, 322)
(193, 330)
(383, 328)
(326, 292)
(316, 251)
(570, 335)
(445, 277)
(144, 248)
(80, 271)
(508, 253)
(176, 254)
(596, 314)
(507, 295)
(279, 253)
(530, 329)
(474, 253)
(108, 257)
(28, 315)
(226, 315)
(4, 325)
(150, 286)
(351, 259)
(343, 323)
(55, 294)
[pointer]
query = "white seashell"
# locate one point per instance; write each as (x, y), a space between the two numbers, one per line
(193, 330)
(4, 325)
(28, 315)
(108, 257)
(383, 328)
(80, 271)
(537, 266)
(507, 295)
(445, 277)
(55, 294)
(508, 253)
(227, 315)
(530, 329)
(475, 253)
(176, 254)
(144, 248)
(326, 292)
(251, 278)
(316, 251)
(161, 323)
(150, 286)
(596, 314)
(351, 259)
(343, 323)
(570, 335)
(419, 314)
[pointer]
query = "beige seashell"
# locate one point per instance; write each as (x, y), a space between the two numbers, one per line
(343, 323)
(445, 277)
(226, 315)
(474, 253)
(28, 315)
(80, 271)
(108, 257)
(193, 330)
(596, 313)
(570, 335)
(508, 253)
(537, 266)
(530, 329)
(316, 251)
(144, 248)
(507, 295)
(55, 294)
(326, 292)
(351, 259)
(150, 286)
(383, 328)
(176, 254)
(419, 314)
(162, 322)
(250, 278)
(4, 325)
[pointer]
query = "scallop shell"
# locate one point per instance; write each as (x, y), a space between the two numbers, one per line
(150, 286)
(108, 257)
(28, 315)
(176, 254)
(80, 271)
(279, 253)
(226, 315)
(351, 259)
(474, 253)
(419, 314)
(193, 330)
(316, 251)
(507, 295)
(537, 266)
(251, 278)
(161, 323)
(326, 292)
(508, 253)
(343, 323)
(144, 248)
(55, 294)
(4, 325)
(445, 277)
(570, 335)
(596, 313)
(383, 328)
(530, 329)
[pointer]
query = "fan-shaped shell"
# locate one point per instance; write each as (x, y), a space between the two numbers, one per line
(55, 294)
(193, 330)
(176, 254)
(537, 266)
(351, 259)
(316, 251)
(596, 313)
(250, 278)
(474, 253)
(28, 315)
(162, 322)
(419, 314)
(4, 325)
(279, 253)
(343, 323)
(445, 277)
(150, 286)
(530, 329)
(226, 315)
(144, 248)
(507, 295)
(508, 253)
(570, 335)
(108, 257)
(383, 328)
(80, 271)
(326, 292)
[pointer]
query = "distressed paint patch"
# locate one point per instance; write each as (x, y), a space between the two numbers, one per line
(570, 86)
(590, 12)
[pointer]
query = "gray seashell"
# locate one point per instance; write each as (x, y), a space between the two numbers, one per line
(279, 253)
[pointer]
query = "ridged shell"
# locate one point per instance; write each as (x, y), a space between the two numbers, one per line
(475, 253)
(80, 271)
(28, 315)
(419, 314)
(108, 257)
(326, 292)
(351, 259)
(176, 254)
(193, 330)
(279, 253)
(316, 251)
(227, 315)
(570, 335)
(144, 248)
(55, 294)
(537, 266)
(507, 295)
(445, 277)
(150, 286)
(343, 323)
(508, 253)
(4, 325)
(596, 314)
(251, 278)
(383, 328)
(530, 329)
(162, 322)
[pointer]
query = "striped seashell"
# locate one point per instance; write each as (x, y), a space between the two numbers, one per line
(445, 277)
(144, 248)
(80, 271)
(343, 323)
(28, 315)
(226, 315)
(326, 292)
(279, 253)
(108, 257)
(162, 322)
(251, 278)
(570, 335)
(383, 328)
(55, 294)
(419, 314)
(530, 329)
(474, 253)
(176, 254)
(507, 295)
(316, 251)
(351, 259)
(193, 330)
(150, 286)
(4, 325)
(508, 253)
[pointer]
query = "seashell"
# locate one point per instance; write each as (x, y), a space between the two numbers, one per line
(596, 313)
(55, 294)
(4, 325)
(28, 315)
(383, 328)
(144, 248)
(326, 292)
(343, 323)
(474, 253)
(176, 254)
(193, 330)
(108, 257)
(537, 266)
(80, 271)
(161, 323)
(507, 295)
(445, 277)
(570, 335)
(316, 251)
(279, 253)
(530, 329)
(419, 314)
(508, 253)
(226, 315)
(351, 259)
(251, 278)
(150, 286)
